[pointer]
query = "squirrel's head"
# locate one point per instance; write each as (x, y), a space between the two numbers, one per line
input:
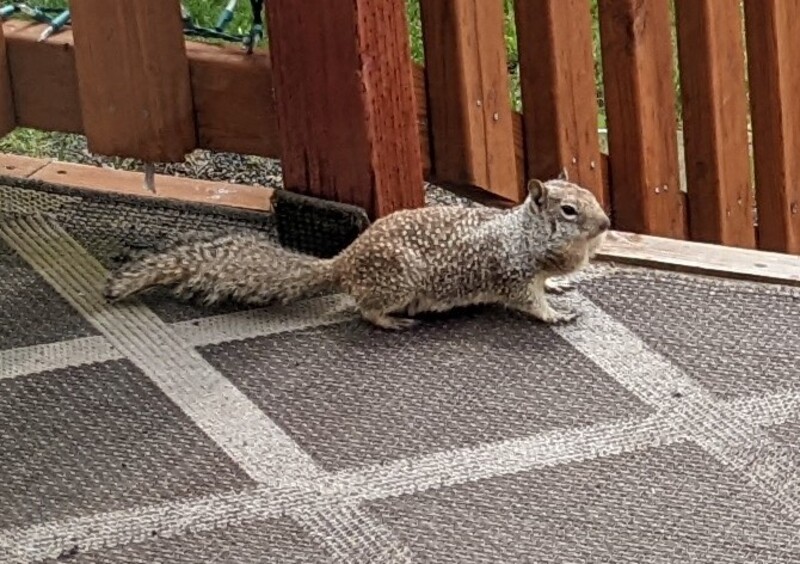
(569, 211)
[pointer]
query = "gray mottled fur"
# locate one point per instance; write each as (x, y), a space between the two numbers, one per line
(413, 261)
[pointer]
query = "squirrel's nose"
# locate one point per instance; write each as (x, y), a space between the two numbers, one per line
(605, 224)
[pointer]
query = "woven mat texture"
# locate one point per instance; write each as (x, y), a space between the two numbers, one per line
(662, 427)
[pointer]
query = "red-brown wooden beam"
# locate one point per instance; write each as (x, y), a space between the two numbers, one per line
(134, 82)
(228, 91)
(559, 96)
(640, 106)
(7, 120)
(468, 95)
(231, 112)
(711, 49)
(773, 41)
(345, 101)
(43, 78)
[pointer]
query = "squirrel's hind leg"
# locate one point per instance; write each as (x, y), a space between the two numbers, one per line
(392, 315)
(387, 321)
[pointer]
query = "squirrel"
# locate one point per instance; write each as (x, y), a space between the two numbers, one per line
(411, 261)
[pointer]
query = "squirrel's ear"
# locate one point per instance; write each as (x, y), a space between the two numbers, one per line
(537, 192)
(563, 175)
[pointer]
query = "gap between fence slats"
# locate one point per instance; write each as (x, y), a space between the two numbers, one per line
(559, 96)
(640, 107)
(711, 50)
(773, 40)
(233, 106)
(134, 83)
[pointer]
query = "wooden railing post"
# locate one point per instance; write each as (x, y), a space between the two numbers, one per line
(133, 74)
(7, 121)
(640, 106)
(711, 50)
(345, 102)
(773, 40)
(559, 96)
(44, 81)
(469, 102)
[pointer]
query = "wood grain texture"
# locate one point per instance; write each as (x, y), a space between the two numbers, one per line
(469, 106)
(711, 51)
(228, 89)
(700, 258)
(168, 187)
(44, 79)
(344, 95)
(640, 106)
(7, 119)
(224, 87)
(559, 96)
(773, 40)
(134, 82)
(19, 166)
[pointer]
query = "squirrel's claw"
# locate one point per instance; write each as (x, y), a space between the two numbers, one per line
(388, 322)
(561, 287)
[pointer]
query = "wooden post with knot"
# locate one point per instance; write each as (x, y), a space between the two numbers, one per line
(344, 95)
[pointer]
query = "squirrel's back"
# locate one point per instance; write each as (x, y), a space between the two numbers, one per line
(443, 250)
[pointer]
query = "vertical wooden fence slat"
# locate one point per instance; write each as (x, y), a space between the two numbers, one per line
(773, 40)
(559, 96)
(469, 103)
(344, 94)
(134, 78)
(7, 121)
(640, 106)
(711, 51)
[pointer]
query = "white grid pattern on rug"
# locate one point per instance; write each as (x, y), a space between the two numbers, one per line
(328, 504)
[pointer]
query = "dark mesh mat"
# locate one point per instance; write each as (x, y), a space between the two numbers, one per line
(461, 382)
(661, 427)
(672, 504)
(279, 541)
(99, 437)
(736, 339)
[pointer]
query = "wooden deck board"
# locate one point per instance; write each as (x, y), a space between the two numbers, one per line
(92, 178)
(701, 258)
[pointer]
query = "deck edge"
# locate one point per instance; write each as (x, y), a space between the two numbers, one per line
(620, 247)
(82, 177)
(700, 258)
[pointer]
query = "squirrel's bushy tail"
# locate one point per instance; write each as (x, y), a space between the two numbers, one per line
(244, 267)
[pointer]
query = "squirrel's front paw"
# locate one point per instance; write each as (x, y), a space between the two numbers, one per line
(545, 313)
(561, 287)
(558, 317)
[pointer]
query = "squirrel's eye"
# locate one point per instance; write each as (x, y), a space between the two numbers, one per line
(569, 211)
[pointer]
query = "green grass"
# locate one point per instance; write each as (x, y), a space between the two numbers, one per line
(206, 12)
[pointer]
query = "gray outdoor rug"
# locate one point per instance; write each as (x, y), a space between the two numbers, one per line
(662, 427)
